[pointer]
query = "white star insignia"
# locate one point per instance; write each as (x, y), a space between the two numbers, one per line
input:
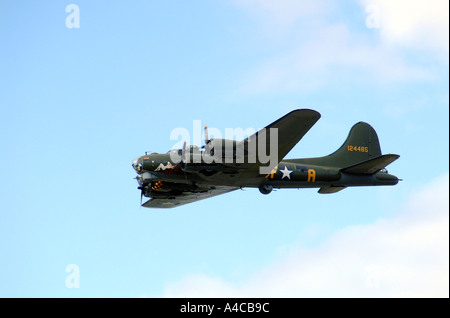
(286, 173)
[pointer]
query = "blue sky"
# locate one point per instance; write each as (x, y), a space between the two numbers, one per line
(78, 105)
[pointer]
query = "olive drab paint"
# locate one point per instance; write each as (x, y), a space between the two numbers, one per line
(192, 173)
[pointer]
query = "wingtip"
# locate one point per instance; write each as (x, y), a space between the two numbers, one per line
(303, 111)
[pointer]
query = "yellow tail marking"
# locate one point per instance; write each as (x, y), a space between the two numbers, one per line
(311, 175)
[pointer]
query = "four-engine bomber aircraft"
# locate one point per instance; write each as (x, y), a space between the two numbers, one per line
(214, 169)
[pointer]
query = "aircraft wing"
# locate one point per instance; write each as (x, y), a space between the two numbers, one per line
(171, 201)
(291, 128)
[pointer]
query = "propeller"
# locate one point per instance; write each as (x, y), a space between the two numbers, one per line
(206, 135)
(141, 187)
(183, 153)
(185, 159)
(142, 192)
(207, 145)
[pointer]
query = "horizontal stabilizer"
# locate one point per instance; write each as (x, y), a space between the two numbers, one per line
(371, 166)
(331, 189)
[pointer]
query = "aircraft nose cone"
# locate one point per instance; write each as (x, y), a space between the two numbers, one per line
(137, 165)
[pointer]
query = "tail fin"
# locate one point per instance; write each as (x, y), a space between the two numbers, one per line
(361, 144)
(359, 154)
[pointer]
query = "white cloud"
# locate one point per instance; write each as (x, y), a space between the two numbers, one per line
(414, 23)
(331, 56)
(311, 50)
(403, 256)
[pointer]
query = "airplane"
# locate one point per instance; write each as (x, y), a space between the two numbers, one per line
(190, 174)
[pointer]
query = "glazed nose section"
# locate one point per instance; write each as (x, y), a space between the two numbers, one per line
(137, 164)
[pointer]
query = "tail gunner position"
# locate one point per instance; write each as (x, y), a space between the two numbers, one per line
(190, 174)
